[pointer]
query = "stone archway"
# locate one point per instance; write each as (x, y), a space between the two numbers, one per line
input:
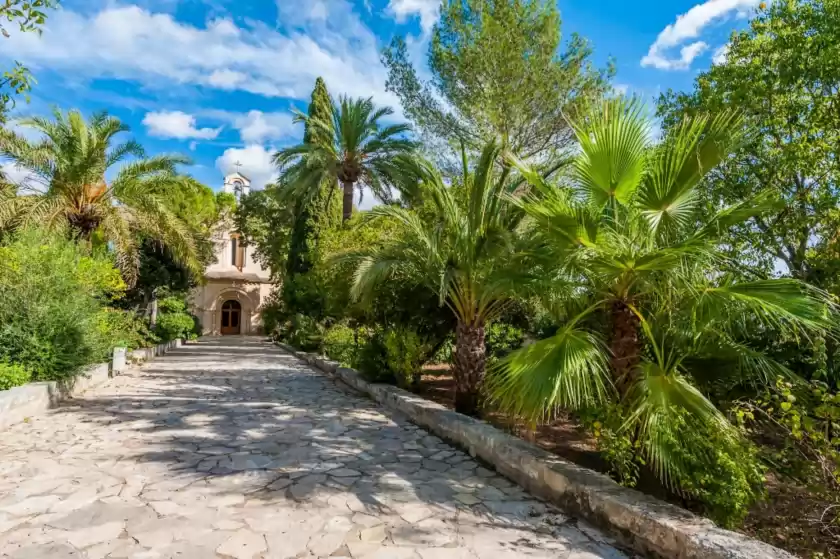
(224, 307)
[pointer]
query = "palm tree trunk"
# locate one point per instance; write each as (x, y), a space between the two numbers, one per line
(348, 200)
(470, 362)
(624, 345)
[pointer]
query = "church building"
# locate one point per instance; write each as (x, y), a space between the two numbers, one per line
(235, 285)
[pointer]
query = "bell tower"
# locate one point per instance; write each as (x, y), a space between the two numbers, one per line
(237, 184)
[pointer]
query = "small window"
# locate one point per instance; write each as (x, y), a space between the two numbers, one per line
(237, 252)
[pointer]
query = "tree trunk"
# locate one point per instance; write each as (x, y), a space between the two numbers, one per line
(624, 345)
(470, 362)
(348, 200)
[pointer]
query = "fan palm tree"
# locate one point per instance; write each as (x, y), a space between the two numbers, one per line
(353, 148)
(630, 265)
(463, 248)
(68, 188)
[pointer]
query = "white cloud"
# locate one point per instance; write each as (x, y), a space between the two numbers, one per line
(132, 43)
(427, 10)
(719, 57)
(689, 26)
(178, 125)
(255, 163)
(620, 88)
(257, 126)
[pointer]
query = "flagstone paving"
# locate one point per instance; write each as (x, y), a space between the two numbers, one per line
(231, 448)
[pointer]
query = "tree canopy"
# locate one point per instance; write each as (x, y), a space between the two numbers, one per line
(783, 75)
(498, 72)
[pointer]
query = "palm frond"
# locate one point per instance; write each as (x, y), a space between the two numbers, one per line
(568, 370)
(613, 141)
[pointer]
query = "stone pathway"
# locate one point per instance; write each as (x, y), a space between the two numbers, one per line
(231, 448)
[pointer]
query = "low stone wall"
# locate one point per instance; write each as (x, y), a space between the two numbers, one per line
(20, 402)
(644, 523)
(148, 353)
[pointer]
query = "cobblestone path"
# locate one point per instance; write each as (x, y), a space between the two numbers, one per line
(231, 448)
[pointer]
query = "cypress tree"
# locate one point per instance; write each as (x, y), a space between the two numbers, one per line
(321, 212)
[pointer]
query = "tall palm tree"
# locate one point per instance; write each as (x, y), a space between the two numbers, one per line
(68, 187)
(354, 148)
(630, 264)
(464, 248)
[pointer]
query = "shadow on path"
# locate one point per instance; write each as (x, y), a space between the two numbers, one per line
(236, 440)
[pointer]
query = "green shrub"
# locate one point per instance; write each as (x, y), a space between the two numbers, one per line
(12, 375)
(273, 314)
(717, 470)
(394, 356)
(175, 325)
(372, 359)
(501, 338)
(51, 295)
(302, 332)
(720, 471)
(405, 353)
(340, 344)
(172, 305)
(124, 329)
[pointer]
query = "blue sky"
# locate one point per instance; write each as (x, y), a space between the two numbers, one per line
(216, 79)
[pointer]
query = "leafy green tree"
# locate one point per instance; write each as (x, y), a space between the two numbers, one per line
(630, 263)
(783, 75)
(498, 72)
(265, 218)
(70, 163)
(352, 148)
(463, 252)
(159, 272)
(52, 294)
(27, 16)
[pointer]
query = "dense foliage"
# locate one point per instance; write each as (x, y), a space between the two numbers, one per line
(70, 164)
(13, 374)
(674, 297)
(52, 296)
(498, 71)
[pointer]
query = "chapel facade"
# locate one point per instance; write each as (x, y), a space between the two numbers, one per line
(235, 286)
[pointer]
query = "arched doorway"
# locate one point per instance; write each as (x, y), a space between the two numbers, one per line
(231, 317)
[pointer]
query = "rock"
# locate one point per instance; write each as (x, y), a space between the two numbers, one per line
(95, 534)
(244, 544)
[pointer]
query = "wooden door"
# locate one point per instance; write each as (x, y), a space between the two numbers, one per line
(231, 318)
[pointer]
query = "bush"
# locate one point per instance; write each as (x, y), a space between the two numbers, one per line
(172, 305)
(405, 353)
(302, 332)
(124, 329)
(51, 295)
(175, 325)
(12, 375)
(273, 314)
(720, 471)
(502, 338)
(394, 356)
(340, 344)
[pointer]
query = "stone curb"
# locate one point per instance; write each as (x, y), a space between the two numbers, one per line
(639, 521)
(20, 402)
